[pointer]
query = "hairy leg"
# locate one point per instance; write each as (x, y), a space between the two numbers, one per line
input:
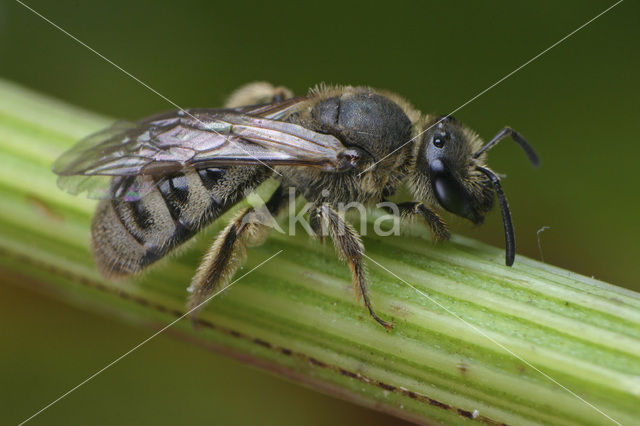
(438, 227)
(350, 248)
(249, 228)
(228, 250)
(258, 92)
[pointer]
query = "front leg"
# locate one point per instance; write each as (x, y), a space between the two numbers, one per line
(350, 248)
(438, 227)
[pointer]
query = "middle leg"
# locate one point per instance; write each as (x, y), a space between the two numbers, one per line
(350, 248)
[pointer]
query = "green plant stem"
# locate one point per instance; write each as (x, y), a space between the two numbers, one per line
(456, 351)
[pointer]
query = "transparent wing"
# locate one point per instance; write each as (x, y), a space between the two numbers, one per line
(128, 159)
(103, 187)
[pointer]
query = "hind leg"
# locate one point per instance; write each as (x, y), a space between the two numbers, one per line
(258, 92)
(249, 228)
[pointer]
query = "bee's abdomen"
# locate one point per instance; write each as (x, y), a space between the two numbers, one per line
(127, 236)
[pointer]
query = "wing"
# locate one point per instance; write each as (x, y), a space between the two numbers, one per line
(128, 159)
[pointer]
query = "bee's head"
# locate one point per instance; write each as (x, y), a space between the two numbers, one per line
(450, 169)
(445, 158)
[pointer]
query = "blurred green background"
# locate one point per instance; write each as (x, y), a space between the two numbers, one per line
(578, 105)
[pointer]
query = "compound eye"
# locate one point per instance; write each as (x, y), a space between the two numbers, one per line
(451, 194)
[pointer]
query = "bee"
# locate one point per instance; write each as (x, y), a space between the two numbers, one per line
(162, 179)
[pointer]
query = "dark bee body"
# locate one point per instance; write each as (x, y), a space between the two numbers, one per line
(165, 177)
(364, 120)
(128, 236)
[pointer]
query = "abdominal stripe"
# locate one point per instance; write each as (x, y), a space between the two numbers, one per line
(175, 192)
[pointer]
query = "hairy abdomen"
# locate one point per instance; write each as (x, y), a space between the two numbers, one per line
(127, 236)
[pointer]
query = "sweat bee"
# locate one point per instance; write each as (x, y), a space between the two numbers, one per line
(163, 178)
